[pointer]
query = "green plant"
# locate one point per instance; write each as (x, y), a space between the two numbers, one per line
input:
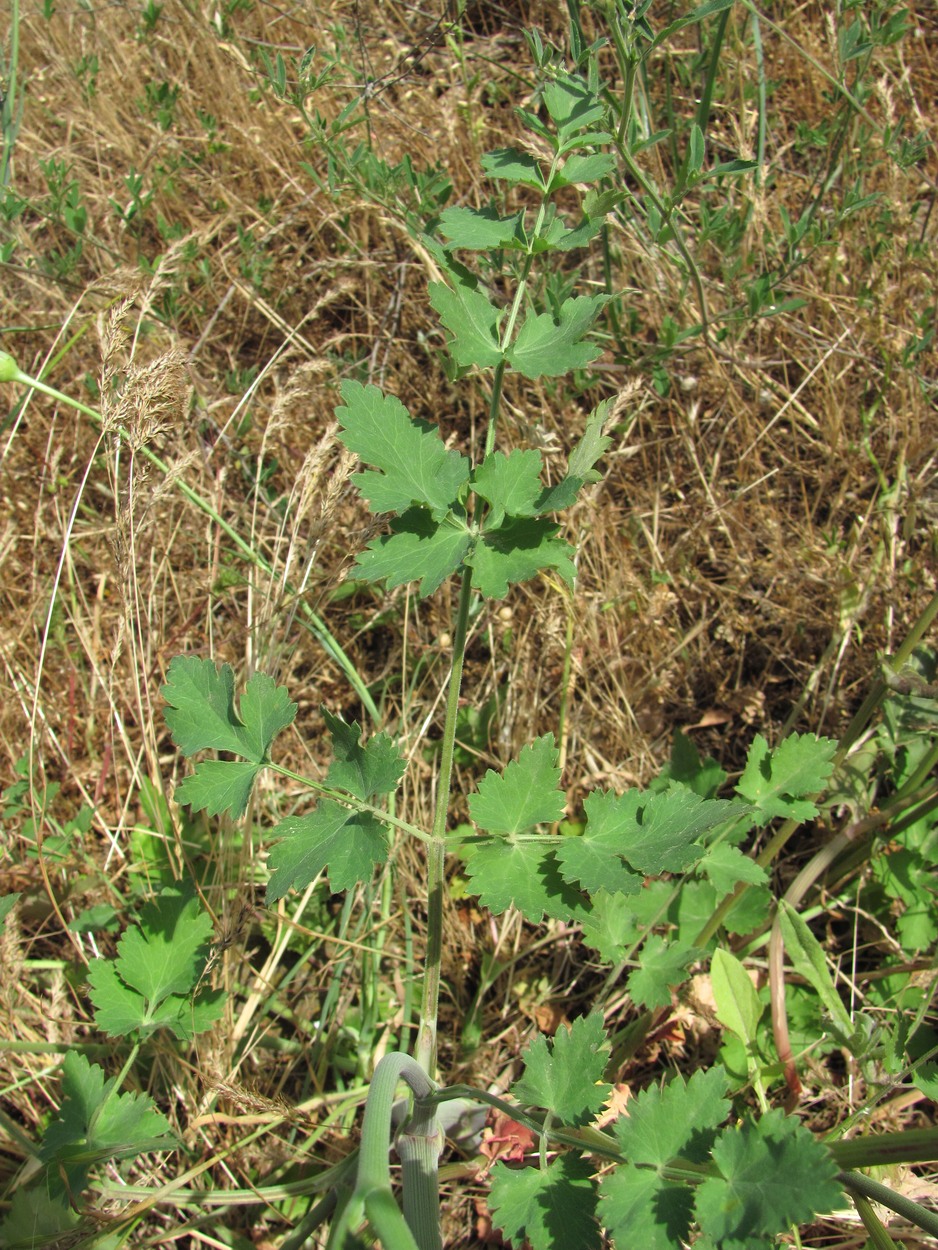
(657, 880)
(488, 521)
(152, 984)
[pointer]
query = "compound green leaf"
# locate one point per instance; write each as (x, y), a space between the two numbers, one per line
(774, 1174)
(506, 873)
(565, 1076)
(159, 963)
(473, 321)
(418, 550)
(366, 770)
(201, 711)
(349, 843)
(480, 229)
(662, 964)
(548, 348)
(513, 166)
(412, 463)
(526, 794)
(546, 1207)
(96, 1123)
(509, 484)
(778, 782)
(516, 551)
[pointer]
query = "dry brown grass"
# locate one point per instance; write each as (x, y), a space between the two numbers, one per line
(761, 534)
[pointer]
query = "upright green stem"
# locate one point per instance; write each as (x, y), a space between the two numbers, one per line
(436, 851)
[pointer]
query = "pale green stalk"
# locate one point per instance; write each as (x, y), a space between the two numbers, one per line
(373, 1197)
(914, 1212)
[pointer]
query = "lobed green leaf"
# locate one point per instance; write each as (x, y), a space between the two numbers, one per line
(565, 1076)
(96, 1123)
(419, 549)
(639, 1206)
(524, 875)
(513, 166)
(773, 1174)
(481, 229)
(526, 794)
(662, 965)
(516, 551)
(201, 711)
(412, 463)
(471, 318)
(778, 781)
(546, 1207)
(549, 347)
(350, 844)
(159, 963)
